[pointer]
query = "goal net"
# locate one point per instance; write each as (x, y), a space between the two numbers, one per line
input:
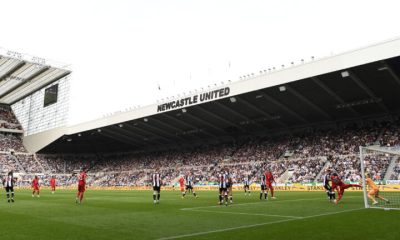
(381, 166)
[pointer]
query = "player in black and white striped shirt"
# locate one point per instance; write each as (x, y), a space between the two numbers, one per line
(230, 186)
(263, 184)
(189, 180)
(329, 191)
(223, 187)
(156, 181)
(8, 183)
(246, 184)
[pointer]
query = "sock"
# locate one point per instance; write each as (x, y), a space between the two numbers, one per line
(8, 196)
(260, 195)
(194, 194)
(154, 197)
(220, 198)
(272, 192)
(158, 197)
(265, 195)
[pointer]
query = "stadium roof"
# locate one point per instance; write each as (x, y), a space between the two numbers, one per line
(353, 85)
(22, 75)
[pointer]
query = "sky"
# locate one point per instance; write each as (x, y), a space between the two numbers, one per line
(125, 53)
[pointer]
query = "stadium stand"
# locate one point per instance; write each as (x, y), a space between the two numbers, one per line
(8, 119)
(312, 150)
(396, 171)
(11, 142)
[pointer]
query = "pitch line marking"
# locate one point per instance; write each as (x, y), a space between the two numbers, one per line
(241, 213)
(255, 225)
(262, 202)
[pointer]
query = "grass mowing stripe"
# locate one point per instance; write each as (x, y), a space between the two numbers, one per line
(241, 213)
(255, 225)
(263, 202)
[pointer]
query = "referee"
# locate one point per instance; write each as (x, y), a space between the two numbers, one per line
(328, 188)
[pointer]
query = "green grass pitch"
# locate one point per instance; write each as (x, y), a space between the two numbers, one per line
(132, 215)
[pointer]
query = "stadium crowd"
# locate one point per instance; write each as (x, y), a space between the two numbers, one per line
(292, 158)
(11, 142)
(396, 171)
(8, 119)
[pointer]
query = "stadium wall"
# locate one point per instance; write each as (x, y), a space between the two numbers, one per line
(36, 117)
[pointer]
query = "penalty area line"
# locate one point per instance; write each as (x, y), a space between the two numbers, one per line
(255, 225)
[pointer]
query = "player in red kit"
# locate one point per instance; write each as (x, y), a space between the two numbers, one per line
(340, 186)
(53, 184)
(81, 186)
(35, 186)
(182, 185)
(269, 180)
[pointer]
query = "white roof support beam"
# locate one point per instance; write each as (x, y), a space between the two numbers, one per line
(282, 106)
(317, 81)
(368, 91)
(257, 109)
(310, 103)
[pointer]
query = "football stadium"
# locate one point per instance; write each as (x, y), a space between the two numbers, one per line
(305, 151)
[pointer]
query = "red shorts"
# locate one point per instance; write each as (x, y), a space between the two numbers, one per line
(81, 188)
(53, 186)
(269, 185)
(182, 188)
(36, 188)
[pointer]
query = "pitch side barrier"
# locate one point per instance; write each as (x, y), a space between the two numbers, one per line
(254, 187)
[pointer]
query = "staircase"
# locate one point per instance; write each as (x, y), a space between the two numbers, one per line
(390, 168)
(287, 154)
(100, 178)
(39, 164)
(285, 176)
(379, 137)
(143, 179)
(327, 164)
(18, 163)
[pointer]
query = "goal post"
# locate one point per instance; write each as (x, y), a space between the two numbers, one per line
(376, 161)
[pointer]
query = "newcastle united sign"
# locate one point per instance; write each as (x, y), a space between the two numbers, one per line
(198, 98)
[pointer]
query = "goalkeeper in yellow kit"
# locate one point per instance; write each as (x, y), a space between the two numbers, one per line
(373, 190)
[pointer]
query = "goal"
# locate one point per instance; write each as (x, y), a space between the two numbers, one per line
(381, 165)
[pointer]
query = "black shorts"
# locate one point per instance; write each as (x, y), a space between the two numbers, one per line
(246, 186)
(263, 187)
(189, 187)
(9, 189)
(155, 188)
(222, 190)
